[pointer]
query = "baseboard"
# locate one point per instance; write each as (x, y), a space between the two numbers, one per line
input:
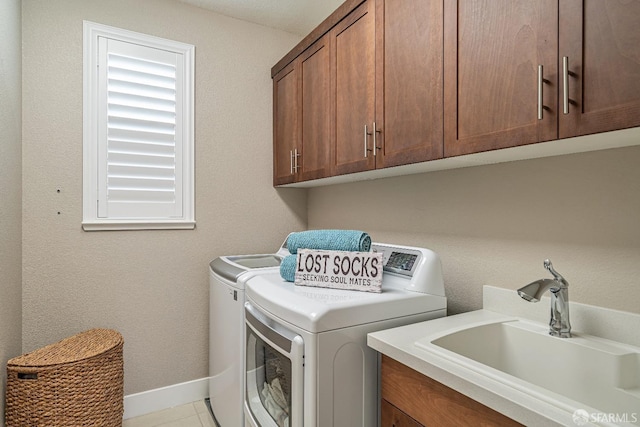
(165, 397)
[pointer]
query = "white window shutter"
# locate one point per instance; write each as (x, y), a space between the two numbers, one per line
(139, 149)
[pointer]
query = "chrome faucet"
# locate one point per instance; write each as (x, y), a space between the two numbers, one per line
(559, 325)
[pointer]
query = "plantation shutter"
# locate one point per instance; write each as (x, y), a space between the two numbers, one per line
(139, 152)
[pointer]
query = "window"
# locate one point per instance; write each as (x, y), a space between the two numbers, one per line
(138, 170)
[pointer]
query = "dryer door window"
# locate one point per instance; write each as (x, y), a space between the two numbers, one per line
(274, 369)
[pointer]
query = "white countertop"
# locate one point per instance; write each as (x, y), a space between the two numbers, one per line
(398, 344)
(528, 408)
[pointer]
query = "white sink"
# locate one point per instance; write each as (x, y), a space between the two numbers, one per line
(590, 371)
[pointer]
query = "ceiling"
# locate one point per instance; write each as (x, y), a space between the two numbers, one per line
(294, 16)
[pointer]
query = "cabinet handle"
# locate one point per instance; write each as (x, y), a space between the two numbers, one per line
(565, 84)
(291, 161)
(366, 140)
(540, 108)
(295, 160)
(375, 144)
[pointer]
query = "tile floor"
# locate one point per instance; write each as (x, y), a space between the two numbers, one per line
(193, 414)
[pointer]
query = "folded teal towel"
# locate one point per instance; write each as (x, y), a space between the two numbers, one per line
(288, 268)
(330, 240)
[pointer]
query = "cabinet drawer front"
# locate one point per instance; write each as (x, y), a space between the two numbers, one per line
(432, 403)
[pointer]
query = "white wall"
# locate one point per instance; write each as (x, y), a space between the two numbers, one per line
(10, 188)
(491, 224)
(494, 225)
(152, 286)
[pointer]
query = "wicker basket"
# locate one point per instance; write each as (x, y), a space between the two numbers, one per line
(75, 382)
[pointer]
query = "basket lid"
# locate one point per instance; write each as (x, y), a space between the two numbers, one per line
(75, 348)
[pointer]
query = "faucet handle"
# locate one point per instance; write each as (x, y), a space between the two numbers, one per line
(556, 275)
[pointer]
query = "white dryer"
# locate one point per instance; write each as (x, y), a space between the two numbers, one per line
(226, 331)
(306, 358)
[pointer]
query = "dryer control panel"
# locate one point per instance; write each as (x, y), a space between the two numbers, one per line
(420, 267)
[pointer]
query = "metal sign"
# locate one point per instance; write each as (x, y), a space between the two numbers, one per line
(356, 271)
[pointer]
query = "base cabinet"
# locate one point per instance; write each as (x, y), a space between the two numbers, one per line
(394, 417)
(412, 399)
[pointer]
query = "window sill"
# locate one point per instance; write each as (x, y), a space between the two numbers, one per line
(137, 225)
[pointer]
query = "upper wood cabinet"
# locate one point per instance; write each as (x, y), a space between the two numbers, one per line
(500, 74)
(521, 71)
(286, 128)
(409, 81)
(302, 121)
(316, 97)
(384, 83)
(389, 85)
(353, 67)
(367, 95)
(600, 40)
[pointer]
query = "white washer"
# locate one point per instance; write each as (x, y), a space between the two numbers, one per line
(316, 339)
(226, 331)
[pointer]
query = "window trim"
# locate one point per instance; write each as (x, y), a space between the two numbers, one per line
(91, 222)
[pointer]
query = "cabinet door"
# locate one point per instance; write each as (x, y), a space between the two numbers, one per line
(353, 67)
(286, 129)
(431, 403)
(315, 160)
(390, 416)
(410, 87)
(493, 50)
(601, 41)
